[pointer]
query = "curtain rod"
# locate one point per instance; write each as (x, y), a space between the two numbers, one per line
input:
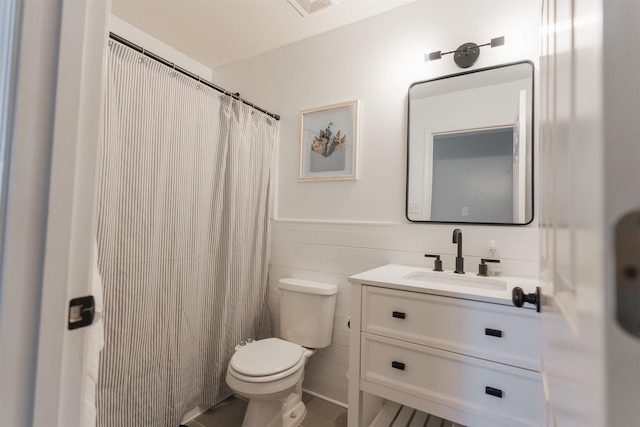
(188, 73)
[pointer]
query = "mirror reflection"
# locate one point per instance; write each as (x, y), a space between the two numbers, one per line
(470, 145)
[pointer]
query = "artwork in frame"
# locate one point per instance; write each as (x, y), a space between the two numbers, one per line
(329, 142)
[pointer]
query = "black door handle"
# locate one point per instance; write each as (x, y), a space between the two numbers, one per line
(518, 297)
(399, 315)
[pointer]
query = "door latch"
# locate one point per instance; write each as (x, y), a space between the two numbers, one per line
(627, 266)
(81, 312)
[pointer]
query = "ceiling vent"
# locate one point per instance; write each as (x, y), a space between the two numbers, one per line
(307, 7)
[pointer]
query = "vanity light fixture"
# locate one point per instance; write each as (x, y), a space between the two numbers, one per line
(466, 54)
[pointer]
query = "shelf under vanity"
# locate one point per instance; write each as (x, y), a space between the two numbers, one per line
(446, 345)
(395, 415)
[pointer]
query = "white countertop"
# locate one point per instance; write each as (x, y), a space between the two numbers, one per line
(394, 276)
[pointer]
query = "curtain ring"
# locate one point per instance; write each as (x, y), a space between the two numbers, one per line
(141, 58)
(173, 73)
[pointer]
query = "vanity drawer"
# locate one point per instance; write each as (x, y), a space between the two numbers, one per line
(490, 331)
(491, 390)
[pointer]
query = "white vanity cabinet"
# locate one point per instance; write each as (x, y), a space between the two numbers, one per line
(468, 358)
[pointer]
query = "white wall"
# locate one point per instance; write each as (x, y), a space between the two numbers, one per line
(375, 61)
(327, 231)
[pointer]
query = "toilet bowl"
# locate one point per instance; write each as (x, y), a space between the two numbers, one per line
(270, 372)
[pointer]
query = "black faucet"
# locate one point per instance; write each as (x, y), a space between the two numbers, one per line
(457, 238)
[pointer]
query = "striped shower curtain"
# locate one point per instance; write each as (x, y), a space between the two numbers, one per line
(183, 240)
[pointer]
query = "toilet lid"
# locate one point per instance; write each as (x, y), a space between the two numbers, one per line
(266, 357)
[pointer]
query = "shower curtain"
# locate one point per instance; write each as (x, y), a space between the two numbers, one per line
(183, 240)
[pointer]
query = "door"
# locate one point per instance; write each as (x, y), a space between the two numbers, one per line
(589, 176)
(48, 244)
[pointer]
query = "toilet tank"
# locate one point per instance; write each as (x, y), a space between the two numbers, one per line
(306, 312)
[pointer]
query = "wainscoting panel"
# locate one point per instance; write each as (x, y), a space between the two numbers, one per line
(330, 252)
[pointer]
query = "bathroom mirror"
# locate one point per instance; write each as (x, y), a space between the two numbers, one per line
(470, 147)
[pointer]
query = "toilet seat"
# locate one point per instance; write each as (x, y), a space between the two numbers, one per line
(266, 360)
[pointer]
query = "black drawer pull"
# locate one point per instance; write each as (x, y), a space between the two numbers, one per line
(493, 332)
(399, 315)
(397, 365)
(494, 392)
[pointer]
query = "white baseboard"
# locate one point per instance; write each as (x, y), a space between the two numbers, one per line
(319, 396)
(195, 412)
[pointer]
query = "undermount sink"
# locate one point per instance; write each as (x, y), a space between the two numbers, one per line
(469, 280)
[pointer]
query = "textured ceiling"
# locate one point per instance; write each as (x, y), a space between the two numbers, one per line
(218, 32)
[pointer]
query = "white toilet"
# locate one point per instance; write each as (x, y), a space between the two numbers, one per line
(269, 372)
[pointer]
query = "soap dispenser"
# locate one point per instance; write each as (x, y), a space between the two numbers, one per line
(494, 268)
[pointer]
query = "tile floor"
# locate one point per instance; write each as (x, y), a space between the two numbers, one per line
(230, 412)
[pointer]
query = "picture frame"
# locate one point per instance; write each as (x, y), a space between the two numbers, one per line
(329, 142)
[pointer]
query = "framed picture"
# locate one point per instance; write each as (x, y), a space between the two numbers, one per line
(329, 143)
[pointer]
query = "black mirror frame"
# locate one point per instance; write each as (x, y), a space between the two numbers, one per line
(533, 186)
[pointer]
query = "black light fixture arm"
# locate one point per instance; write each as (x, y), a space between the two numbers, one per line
(466, 54)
